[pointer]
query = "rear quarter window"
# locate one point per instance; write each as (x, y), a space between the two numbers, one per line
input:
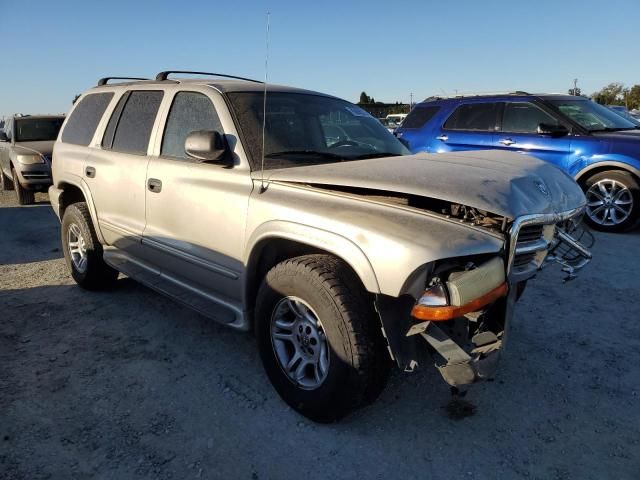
(84, 119)
(419, 116)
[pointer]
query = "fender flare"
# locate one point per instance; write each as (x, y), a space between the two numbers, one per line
(79, 183)
(331, 242)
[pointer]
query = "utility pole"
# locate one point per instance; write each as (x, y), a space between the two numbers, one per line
(410, 101)
(575, 86)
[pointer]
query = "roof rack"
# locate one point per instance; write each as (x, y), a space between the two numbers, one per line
(475, 94)
(105, 80)
(164, 75)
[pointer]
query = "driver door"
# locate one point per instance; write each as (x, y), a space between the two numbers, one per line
(518, 132)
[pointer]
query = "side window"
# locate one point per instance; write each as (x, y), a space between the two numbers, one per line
(109, 133)
(524, 117)
(84, 120)
(190, 112)
(419, 116)
(136, 120)
(473, 116)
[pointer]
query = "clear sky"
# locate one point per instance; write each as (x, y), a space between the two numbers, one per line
(53, 50)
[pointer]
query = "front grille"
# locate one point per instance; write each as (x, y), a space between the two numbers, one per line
(530, 233)
(523, 259)
(529, 243)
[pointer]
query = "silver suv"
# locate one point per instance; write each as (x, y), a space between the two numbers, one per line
(26, 142)
(299, 216)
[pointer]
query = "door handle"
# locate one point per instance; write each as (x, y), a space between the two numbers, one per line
(154, 185)
(442, 138)
(90, 172)
(506, 141)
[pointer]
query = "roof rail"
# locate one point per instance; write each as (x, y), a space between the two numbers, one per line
(164, 75)
(474, 94)
(105, 80)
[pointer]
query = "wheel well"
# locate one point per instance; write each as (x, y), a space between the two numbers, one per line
(70, 195)
(604, 168)
(267, 254)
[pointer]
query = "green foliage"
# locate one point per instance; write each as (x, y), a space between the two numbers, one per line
(612, 94)
(576, 92)
(617, 94)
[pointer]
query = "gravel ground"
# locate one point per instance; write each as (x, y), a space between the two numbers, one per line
(128, 384)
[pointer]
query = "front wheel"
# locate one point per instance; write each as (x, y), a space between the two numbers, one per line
(5, 182)
(24, 196)
(613, 201)
(82, 250)
(319, 338)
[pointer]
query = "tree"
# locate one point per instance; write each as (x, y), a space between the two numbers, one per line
(575, 91)
(364, 98)
(612, 94)
(633, 97)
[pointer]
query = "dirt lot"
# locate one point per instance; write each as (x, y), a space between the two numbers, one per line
(127, 384)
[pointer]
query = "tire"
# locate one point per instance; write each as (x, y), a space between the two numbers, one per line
(24, 196)
(5, 182)
(93, 273)
(599, 215)
(358, 361)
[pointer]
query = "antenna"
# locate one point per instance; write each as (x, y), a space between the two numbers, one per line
(264, 105)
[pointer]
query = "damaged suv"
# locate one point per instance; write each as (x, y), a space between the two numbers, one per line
(299, 216)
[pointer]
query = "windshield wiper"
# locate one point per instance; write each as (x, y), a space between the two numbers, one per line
(314, 153)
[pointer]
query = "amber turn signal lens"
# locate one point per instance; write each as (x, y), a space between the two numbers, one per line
(436, 314)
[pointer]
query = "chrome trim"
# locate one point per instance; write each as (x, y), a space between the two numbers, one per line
(535, 219)
(532, 247)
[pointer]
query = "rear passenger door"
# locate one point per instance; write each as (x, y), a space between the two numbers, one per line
(471, 126)
(196, 213)
(116, 174)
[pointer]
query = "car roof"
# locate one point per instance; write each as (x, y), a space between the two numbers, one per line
(501, 97)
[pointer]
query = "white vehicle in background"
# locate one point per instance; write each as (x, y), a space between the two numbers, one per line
(394, 120)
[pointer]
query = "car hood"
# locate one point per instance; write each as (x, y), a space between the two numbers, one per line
(43, 147)
(503, 183)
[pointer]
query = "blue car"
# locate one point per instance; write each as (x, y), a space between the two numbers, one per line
(596, 146)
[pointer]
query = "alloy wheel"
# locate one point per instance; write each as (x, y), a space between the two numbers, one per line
(77, 248)
(300, 343)
(609, 202)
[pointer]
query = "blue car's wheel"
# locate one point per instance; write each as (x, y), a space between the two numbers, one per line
(613, 200)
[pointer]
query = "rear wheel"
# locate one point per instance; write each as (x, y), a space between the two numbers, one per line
(319, 338)
(83, 251)
(5, 182)
(613, 200)
(24, 196)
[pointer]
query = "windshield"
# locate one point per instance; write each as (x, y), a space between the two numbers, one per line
(304, 129)
(591, 115)
(36, 129)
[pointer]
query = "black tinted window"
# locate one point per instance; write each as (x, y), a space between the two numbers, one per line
(473, 116)
(107, 140)
(524, 117)
(136, 121)
(85, 118)
(419, 116)
(189, 112)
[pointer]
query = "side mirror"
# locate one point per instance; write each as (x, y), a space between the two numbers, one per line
(205, 145)
(552, 130)
(3, 136)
